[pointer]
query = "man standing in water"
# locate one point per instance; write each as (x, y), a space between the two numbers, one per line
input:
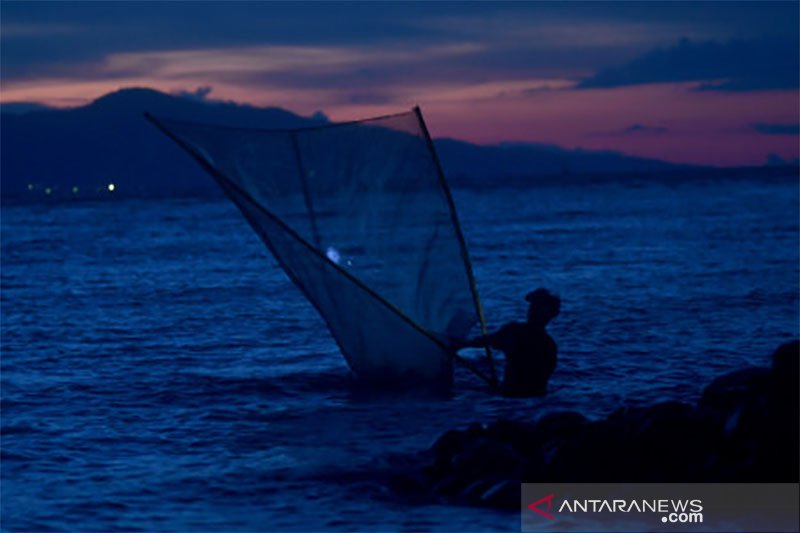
(530, 351)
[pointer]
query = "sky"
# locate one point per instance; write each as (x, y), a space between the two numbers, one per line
(691, 82)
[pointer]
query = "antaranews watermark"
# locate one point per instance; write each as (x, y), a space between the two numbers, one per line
(660, 507)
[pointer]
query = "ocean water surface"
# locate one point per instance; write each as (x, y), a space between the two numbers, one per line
(159, 372)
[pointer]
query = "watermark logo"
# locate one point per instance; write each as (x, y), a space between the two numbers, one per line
(673, 511)
(535, 506)
(621, 507)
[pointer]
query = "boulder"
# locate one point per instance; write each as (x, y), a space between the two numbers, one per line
(745, 428)
(729, 391)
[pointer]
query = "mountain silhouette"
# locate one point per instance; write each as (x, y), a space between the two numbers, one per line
(109, 141)
(469, 164)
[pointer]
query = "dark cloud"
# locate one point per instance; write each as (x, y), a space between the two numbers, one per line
(764, 64)
(101, 28)
(634, 129)
(539, 39)
(367, 97)
(199, 95)
(423, 65)
(641, 128)
(777, 129)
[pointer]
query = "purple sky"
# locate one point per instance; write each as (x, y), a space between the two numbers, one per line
(712, 83)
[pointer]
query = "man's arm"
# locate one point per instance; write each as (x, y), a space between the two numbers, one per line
(497, 340)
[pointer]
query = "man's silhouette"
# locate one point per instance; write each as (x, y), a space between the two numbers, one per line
(530, 352)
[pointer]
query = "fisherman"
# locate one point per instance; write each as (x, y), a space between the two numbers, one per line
(530, 351)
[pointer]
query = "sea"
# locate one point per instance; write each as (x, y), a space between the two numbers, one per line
(160, 373)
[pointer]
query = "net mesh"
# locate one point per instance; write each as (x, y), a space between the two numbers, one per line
(359, 217)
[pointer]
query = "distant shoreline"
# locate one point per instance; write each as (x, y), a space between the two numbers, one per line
(679, 175)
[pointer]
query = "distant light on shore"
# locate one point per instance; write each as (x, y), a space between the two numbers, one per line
(111, 187)
(48, 190)
(75, 190)
(30, 186)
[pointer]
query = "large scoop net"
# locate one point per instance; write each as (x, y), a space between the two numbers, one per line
(361, 219)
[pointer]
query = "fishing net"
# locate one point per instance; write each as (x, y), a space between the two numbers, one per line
(360, 218)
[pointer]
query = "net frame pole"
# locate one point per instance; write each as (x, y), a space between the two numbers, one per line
(226, 183)
(301, 171)
(462, 242)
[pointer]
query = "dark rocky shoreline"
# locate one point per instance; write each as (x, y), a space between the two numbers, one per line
(743, 429)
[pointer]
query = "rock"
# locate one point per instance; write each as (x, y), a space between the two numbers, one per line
(672, 442)
(625, 420)
(448, 445)
(786, 376)
(744, 429)
(562, 425)
(485, 458)
(784, 413)
(761, 432)
(520, 435)
(665, 421)
(533, 469)
(504, 494)
(604, 454)
(472, 493)
(451, 486)
(730, 390)
(786, 360)
(407, 482)
(564, 462)
(476, 429)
